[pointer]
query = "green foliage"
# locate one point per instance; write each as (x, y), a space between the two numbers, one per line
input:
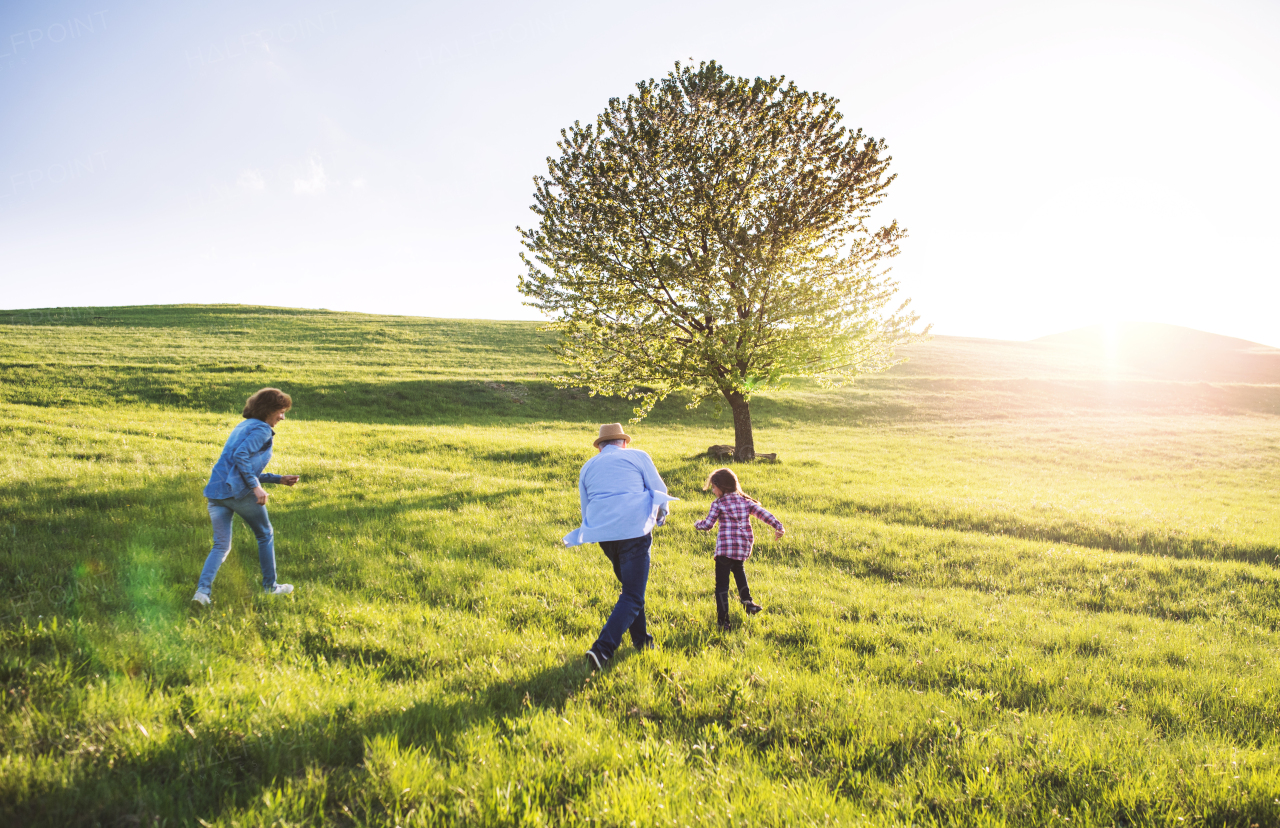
(711, 234)
(972, 619)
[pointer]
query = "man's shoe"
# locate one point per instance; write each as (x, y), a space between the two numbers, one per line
(750, 607)
(594, 660)
(201, 598)
(651, 644)
(280, 589)
(724, 624)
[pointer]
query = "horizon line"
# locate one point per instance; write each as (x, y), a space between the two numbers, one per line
(64, 309)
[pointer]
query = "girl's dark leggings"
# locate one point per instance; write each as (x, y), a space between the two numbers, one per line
(723, 567)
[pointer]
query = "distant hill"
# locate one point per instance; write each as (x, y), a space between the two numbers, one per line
(1142, 334)
(1172, 352)
(1129, 351)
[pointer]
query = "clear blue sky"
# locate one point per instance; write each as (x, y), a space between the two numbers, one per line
(1059, 164)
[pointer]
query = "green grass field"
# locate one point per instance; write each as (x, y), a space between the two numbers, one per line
(1014, 590)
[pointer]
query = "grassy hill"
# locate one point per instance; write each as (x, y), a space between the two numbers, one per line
(358, 366)
(1023, 583)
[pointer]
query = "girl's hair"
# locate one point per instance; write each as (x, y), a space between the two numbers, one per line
(266, 402)
(726, 481)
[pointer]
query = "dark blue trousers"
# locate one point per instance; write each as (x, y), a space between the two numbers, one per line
(630, 559)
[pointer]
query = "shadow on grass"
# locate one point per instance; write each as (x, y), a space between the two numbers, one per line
(216, 770)
(101, 562)
(205, 771)
(135, 552)
(1164, 543)
(430, 401)
(420, 402)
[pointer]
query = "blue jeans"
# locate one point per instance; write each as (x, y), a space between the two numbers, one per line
(630, 559)
(221, 512)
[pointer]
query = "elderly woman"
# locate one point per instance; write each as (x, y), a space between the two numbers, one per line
(235, 488)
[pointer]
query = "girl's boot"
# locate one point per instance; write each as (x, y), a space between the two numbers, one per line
(744, 593)
(722, 611)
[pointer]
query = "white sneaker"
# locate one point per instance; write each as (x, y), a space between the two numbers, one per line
(280, 589)
(201, 598)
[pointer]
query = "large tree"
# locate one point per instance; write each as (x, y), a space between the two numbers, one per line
(713, 234)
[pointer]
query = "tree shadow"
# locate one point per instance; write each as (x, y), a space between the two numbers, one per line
(530, 457)
(224, 388)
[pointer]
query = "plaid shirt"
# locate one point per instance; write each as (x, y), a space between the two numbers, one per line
(734, 513)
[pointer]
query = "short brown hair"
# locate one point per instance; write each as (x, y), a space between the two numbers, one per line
(266, 402)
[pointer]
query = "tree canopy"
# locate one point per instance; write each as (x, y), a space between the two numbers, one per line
(712, 234)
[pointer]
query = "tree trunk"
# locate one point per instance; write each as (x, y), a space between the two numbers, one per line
(744, 444)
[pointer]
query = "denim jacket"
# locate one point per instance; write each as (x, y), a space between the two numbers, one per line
(239, 469)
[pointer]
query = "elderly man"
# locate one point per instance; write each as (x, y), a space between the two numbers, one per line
(623, 498)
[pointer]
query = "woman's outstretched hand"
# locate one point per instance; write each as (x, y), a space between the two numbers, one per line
(777, 533)
(289, 479)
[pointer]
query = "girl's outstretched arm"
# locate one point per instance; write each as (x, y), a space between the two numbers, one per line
(764, 514)
(711, 518)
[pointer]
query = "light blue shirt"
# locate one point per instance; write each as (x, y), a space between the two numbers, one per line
(622, 497)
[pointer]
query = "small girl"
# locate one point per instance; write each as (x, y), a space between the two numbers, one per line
(733, 544)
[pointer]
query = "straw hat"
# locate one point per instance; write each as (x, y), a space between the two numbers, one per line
(611, 431)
